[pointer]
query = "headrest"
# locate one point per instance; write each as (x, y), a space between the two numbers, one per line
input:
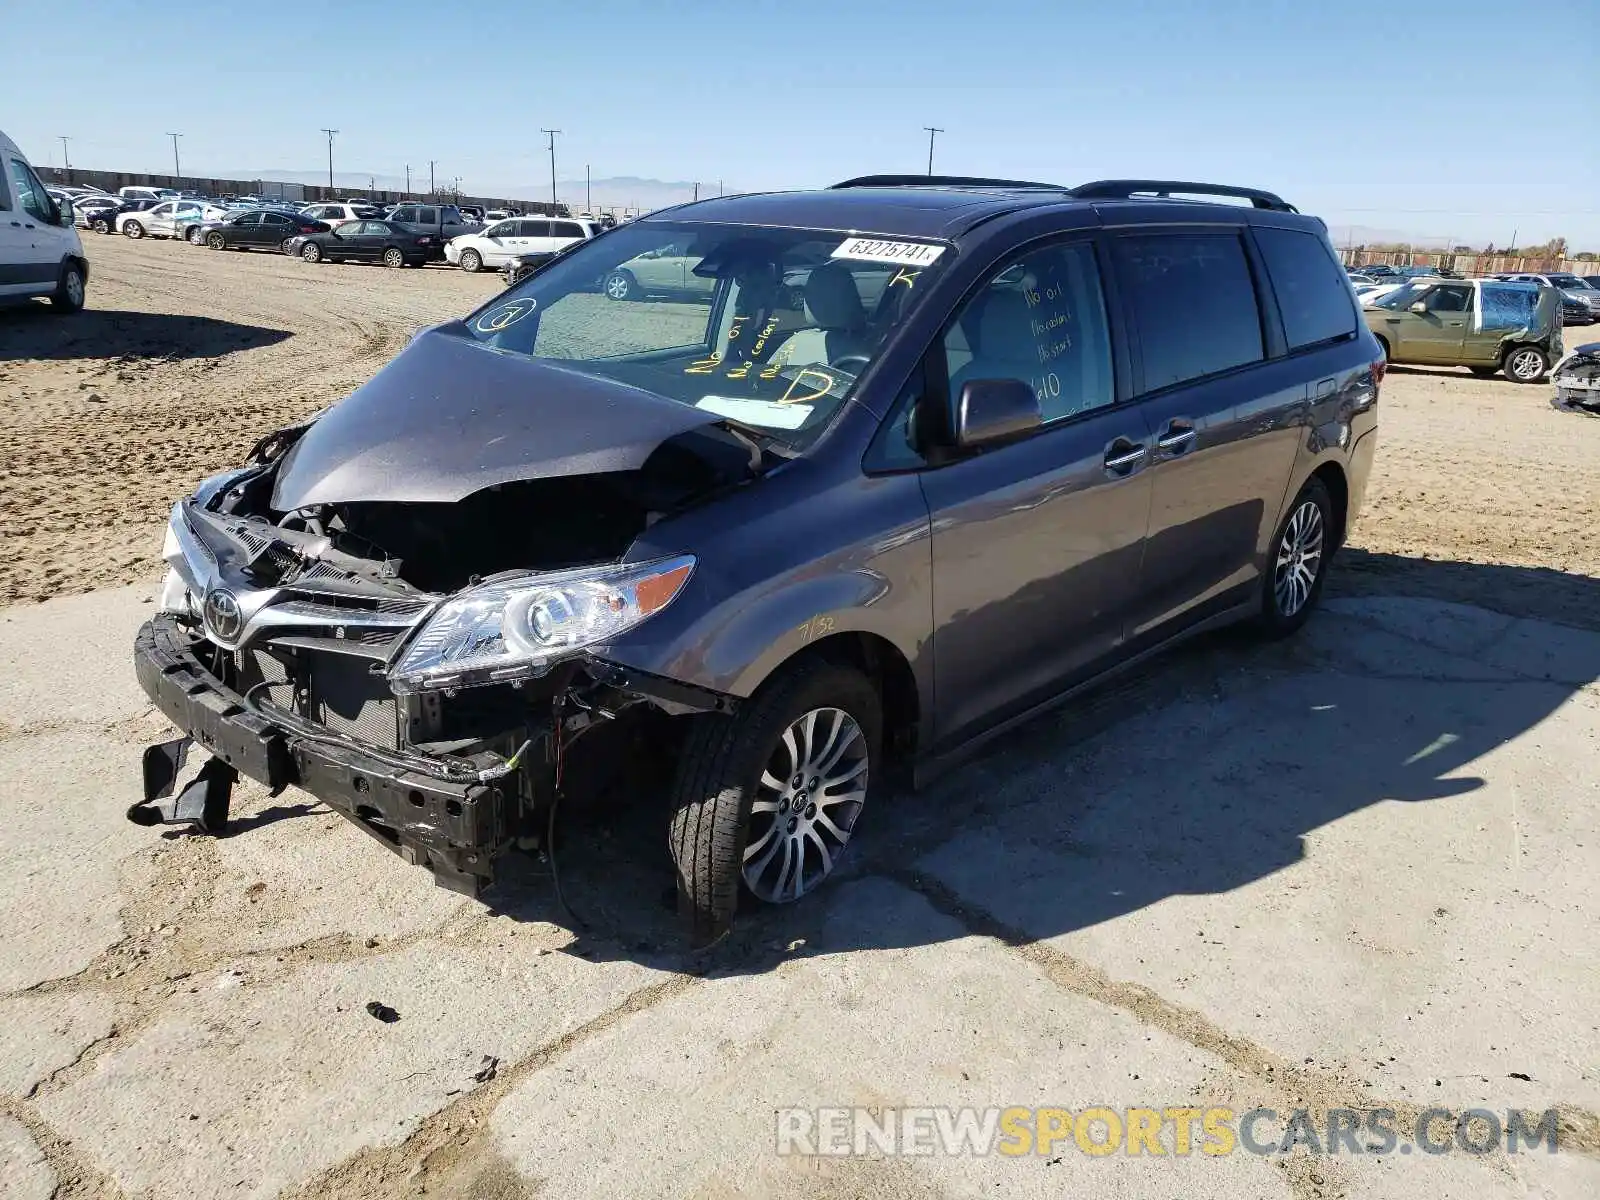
(832, 301)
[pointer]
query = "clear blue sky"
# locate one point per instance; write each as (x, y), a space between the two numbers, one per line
(1405, 115)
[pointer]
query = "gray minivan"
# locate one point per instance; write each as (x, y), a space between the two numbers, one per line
(1012, 437)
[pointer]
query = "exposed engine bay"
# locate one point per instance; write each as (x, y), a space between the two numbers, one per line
(1577, 379)
(283, 634)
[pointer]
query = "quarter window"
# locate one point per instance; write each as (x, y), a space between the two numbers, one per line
(1449, 300)
(1312, 293)
(1041, 319)
(566, 229)
(1193, 304)
(533, 229)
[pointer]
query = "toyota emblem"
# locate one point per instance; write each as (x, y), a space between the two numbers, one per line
(222, 615)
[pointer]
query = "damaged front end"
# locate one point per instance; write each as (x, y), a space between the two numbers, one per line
(1577, 379)
(426, 664)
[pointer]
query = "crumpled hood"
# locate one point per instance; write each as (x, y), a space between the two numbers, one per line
(450, 416)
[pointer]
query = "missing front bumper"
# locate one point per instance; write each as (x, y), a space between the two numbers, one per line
(454, 828)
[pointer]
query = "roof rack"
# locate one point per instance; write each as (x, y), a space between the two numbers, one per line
(1126, 189)
(943, 181)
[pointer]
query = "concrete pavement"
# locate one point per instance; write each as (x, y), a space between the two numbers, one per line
(1347, 871)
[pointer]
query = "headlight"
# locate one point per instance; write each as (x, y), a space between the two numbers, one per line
(518, 626)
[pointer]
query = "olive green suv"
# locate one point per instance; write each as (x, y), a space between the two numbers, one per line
(1483, 324)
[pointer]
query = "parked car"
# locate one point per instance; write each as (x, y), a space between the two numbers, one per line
(104, 220)
(364, 241)
(1376, 271)
(186, 224)
(337, 214)
(780, 550)
(472, 212)
(137, 192)
(1580, 302)
(440, 222)
(1486, 325)
(1592, 280)
(499, 214)
(257, 230)
(667, 270)
(1577, 378)
(40, 254)
(87, 209)
(168, 218)
(505, 240)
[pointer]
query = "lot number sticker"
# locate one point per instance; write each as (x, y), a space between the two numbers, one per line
(905, 254)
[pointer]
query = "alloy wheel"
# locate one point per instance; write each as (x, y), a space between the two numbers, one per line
(806, 805)
(1526, 364)
(1299, 559)
(393, 258)
(617, 287)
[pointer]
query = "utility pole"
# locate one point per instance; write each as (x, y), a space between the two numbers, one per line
(552, 133)
(932, 129)
(697, 189)
(66, 162)
(588, 204)
(430, 177)
(177, 173)
(330, 133)
(719, 187)
(408, 181)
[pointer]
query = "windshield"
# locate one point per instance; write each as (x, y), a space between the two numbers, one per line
(1401, 297)
(1567, 281)
(768, 327)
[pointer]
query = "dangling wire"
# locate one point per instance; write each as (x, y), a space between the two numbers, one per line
(555, 804)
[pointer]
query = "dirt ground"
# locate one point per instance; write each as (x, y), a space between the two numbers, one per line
(186, 355)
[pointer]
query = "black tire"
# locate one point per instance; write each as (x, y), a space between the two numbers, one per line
(1276, 618)
(71, 289)
(100, 225)
(621, 285)
(134, 229)
(718, 777)
(471, 261)
(311, 252)
(1525, 364)
(216, 241)
(394, 257)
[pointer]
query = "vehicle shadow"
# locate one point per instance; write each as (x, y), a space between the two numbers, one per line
(35, 332)
(1199, 774)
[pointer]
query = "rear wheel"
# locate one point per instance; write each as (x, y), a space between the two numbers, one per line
(621, 285)
(471, 260)
(284, 245)
(71, 290)
(134, 229)
(1525, 364)
(1298, 561)
(193, 236)
(311, 252)
(392, 257)
(768, 799)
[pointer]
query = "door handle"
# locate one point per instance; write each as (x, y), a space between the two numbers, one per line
(1122, 456)
(1178, 437)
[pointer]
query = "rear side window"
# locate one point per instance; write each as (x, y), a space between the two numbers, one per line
(1310, 286)
(427, 216)
(534, 228)
(566, 229)
(1193, 304)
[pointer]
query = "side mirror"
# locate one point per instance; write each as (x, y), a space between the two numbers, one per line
(64, 213)
(994, 410)
(1419, 308)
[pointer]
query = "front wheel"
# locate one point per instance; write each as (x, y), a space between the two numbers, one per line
(215, 241)
(1525, 364)
(393, 258)
(134, 229)
(471, 261)
(621, 285)
(769, 798)
(1298, 561)
(311, 252)
(71, 291)
(100, 225)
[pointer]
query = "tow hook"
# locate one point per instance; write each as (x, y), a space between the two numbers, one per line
(202, 805)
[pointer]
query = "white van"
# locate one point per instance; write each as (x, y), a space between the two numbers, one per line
(40, 254)
(136, 191)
